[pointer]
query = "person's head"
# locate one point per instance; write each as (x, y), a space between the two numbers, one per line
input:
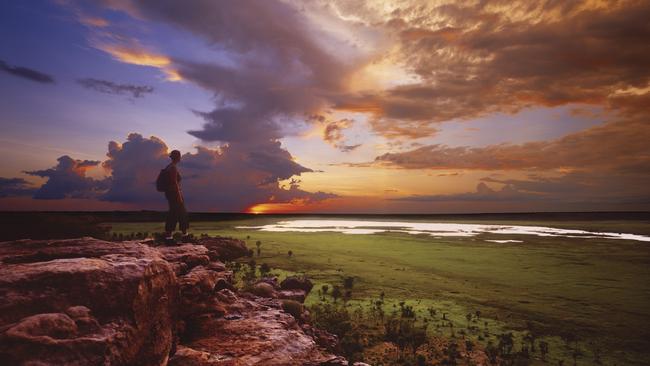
(175, 155)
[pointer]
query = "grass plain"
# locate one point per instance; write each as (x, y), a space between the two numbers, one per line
(593, 291)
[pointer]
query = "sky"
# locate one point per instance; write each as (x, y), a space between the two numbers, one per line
(332, 106)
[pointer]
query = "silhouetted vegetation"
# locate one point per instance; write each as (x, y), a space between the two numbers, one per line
(37, 225)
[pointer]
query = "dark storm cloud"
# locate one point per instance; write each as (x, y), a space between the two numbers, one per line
(231, 178)
(278, 71)
(109, 87)
(134, 166)
(68, 180)
(10, 187)
(26, 73)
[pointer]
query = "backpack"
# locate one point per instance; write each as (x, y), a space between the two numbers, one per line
(162, 182)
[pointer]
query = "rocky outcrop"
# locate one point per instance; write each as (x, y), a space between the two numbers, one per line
(91, 302)
(85, 302)
(225, 249)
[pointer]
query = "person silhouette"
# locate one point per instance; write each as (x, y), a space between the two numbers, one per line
(177, 212)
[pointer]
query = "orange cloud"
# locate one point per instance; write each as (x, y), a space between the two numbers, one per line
(140, 56)
(91, 21)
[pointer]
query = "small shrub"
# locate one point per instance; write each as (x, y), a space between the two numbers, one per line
(292, 307)
(336, 292)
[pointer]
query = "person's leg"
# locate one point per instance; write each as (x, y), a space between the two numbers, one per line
(172, 216)
(183, 221)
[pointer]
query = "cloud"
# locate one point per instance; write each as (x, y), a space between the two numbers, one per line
(462, 59)
(92, 21)
(135, 54)
(606, 164)
(133, 167)
(233, 177)
(614, 145)
(68, 180)
(27, 73)
(272, 72)
(109, 87)
(483, 193)
(10, 187)
(333, 132)
(473, 59)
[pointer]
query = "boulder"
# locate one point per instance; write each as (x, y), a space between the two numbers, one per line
(185, 257)
(186, 356)
(273, 281)
(85, 302)
(251, 333)
(296, 295)
(224, 249)
(197, 289)
(91, 302)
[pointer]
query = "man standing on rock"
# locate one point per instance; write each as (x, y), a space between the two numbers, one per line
(169, 182)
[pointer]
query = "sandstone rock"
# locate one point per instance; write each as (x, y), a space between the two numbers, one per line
(297, 283)
(273, 281)
(227, 249)
(90, 302)
(185, 257)
(296, 295)
(197, 290)
(261, 334)
(85, 302)
(186, 356)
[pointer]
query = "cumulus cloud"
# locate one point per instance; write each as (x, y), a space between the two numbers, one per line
(109, 87)
(233, 177)
(133, 167)
(10, 187)
(26, 73)
(68, 180)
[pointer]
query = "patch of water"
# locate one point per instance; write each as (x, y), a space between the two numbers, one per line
(360, 227)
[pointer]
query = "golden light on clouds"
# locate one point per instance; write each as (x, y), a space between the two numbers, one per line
(381, 74)
(142, 57)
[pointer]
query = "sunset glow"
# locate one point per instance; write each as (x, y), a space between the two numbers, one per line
(327, 106)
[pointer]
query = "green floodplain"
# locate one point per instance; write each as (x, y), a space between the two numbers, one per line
(587, 298)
